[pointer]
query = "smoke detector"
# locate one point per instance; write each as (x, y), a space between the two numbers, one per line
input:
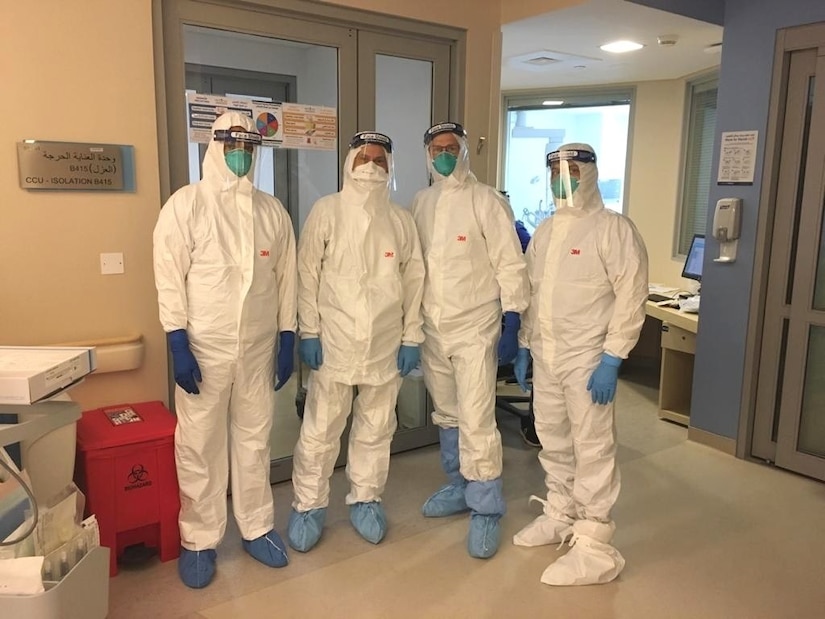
(667, 40)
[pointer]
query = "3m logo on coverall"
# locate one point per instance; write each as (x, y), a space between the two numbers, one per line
(462, 238)
(264, 253)
(389, 254)
(575, 252)
(138, 478)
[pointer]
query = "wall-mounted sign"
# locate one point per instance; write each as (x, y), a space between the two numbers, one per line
(737, 158)
(69, 165)
(281, 125)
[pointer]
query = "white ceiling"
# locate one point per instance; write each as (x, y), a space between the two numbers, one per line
(571, 37)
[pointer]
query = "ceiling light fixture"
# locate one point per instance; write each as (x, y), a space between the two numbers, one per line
(620, 47)
(552, 102)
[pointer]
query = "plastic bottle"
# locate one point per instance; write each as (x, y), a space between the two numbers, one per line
(64, 563)
(47, 571)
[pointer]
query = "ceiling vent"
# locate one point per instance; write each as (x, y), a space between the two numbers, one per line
(541, 61)
(548, 59)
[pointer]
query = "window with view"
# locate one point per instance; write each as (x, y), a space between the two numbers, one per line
(539, 126)
(701, 129)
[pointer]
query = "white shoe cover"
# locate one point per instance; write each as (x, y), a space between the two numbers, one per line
(591, 559)
(543, 530)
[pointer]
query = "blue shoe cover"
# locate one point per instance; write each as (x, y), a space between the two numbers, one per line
(305, 528)
(446, 501)
(369, 520)
(269, 549)
(485, 533)
(196, 568)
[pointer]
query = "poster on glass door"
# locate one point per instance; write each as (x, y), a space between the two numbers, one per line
(310, 126)
(202, 110)
(281, 125)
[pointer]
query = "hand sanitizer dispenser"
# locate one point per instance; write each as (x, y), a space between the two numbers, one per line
(726, 224)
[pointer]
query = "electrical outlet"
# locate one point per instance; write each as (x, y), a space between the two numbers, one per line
(111, 264)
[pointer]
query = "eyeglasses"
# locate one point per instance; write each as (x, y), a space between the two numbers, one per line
(453, 149)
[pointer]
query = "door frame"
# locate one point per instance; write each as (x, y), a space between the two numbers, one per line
(788, 40)
(294, 20)
(332, 25)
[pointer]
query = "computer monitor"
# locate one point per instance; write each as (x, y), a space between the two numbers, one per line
(695, 257)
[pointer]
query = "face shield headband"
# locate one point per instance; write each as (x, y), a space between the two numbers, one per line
(245, 137)
(582, 156)
(435, 130)
(371, 137)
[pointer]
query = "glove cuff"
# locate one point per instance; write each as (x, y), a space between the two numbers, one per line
(610, 360)
(512, 320)
(178, 339)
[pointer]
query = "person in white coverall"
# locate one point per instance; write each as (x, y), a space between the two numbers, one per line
(361, 278)
(475, 271)
(224, 259)
(588, 275)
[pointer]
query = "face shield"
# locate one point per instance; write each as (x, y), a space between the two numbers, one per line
(369, 162)
(567, 168)
(239, 147)
(445, 146)
(232, 155)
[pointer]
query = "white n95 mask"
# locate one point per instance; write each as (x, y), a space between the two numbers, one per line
(370, 172)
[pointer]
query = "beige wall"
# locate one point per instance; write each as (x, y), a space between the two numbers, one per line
(515, 10)
(482, 21)
(656, 155)
(81, 72)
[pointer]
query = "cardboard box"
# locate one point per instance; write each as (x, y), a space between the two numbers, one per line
(29, 374)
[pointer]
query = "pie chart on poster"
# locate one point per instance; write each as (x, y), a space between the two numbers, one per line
(267, 124)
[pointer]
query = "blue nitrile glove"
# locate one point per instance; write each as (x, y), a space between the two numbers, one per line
(286, 358)
(311, 353)
(602, 383)
(520, 367)
(508, 344)
(408, 358)
(184, 365)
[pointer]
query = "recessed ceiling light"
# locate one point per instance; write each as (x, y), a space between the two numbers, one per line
(552, 102)
(620, 47)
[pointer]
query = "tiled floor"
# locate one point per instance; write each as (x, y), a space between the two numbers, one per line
(704, 535)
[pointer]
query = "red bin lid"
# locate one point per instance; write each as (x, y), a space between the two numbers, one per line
(124, 424)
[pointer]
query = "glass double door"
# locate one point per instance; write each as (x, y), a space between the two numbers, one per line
(789, 423)
(398, 85)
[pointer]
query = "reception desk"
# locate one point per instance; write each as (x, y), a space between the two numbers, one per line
(678, 342)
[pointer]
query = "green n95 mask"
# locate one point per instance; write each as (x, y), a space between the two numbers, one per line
(239, 161)
(444, 163)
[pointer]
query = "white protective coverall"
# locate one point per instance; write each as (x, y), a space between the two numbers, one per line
(361, 278)
(225, 271)
(475, 271)
(589, 281)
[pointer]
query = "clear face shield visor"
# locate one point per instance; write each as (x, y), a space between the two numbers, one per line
(563, 174)
(445, 146)
(239, 149)
(370, 160)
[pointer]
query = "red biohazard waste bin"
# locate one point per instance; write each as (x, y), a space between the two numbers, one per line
(126, 467)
